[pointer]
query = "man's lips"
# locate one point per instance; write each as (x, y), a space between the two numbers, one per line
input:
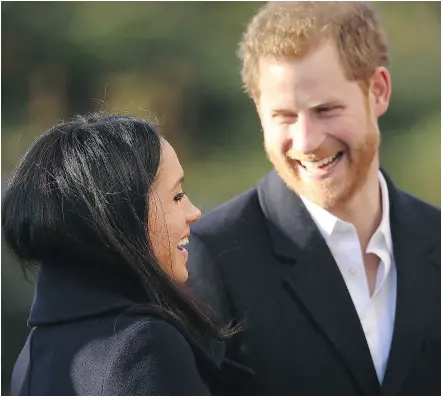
(321, 163)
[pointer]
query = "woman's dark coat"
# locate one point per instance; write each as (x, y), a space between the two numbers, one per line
(90, 336)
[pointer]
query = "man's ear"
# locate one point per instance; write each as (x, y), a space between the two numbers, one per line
(381, 89)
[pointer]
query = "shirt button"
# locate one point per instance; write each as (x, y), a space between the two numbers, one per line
(352, 271)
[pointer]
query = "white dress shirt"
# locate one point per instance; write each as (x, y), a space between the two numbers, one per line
(376, 312)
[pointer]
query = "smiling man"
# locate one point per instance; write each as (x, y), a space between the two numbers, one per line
(336, 271)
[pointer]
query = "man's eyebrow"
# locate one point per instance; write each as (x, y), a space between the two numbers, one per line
(286, 110)
(282, 111)
(327, 102)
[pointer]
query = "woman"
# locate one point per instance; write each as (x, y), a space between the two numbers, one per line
(97, 203)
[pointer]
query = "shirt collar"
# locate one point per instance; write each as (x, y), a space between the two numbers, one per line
(384, 226)
(326, 221)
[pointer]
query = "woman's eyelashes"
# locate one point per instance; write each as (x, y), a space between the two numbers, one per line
(179, 197)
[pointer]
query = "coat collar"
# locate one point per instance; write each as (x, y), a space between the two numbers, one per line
(314, 278)
(287, 216)
(415, 235)
(68, 292)
(74, 293)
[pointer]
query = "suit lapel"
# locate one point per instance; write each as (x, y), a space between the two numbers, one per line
(417, 281)
(315, 279)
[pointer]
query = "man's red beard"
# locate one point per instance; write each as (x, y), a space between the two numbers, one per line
(329, 193)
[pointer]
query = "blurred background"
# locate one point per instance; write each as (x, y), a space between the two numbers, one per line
(176, 63)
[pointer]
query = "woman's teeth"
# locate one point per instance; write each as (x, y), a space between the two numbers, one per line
(325, 163)
(183, 242)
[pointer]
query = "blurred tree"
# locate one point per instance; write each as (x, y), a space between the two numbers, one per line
(179, 62)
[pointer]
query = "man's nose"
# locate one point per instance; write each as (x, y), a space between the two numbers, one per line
(306, 135)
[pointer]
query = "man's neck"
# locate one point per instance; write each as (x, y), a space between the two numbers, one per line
(363, 210)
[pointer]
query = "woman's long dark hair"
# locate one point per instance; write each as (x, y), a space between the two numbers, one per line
(81, 193)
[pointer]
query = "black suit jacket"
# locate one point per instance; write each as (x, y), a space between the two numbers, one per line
(261, 257)
(92, 335)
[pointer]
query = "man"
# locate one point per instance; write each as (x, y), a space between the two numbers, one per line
(336, 272)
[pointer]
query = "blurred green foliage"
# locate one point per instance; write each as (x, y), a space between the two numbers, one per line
(176, 62)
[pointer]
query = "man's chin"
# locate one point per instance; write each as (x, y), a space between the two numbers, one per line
(318, 195)
(317, 192)
(323, 199)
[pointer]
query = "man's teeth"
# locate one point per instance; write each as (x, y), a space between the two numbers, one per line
(317, 164)
(183, 242)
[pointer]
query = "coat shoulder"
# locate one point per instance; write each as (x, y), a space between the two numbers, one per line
(428, 213)
(237, 210)
(148, 332)
(425, 206)
(146, 355)
(124, 354)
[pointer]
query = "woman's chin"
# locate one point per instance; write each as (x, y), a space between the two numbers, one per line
(181, 277)
(179, 269)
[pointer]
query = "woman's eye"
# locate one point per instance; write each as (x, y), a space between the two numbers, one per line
(179, 196)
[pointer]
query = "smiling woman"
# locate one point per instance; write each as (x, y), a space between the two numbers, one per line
(97, 202)
(171, 210)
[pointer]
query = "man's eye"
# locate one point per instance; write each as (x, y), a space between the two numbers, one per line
(179, 197)
(326, 109)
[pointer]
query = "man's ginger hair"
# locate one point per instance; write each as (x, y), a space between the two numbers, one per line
(290, 30)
